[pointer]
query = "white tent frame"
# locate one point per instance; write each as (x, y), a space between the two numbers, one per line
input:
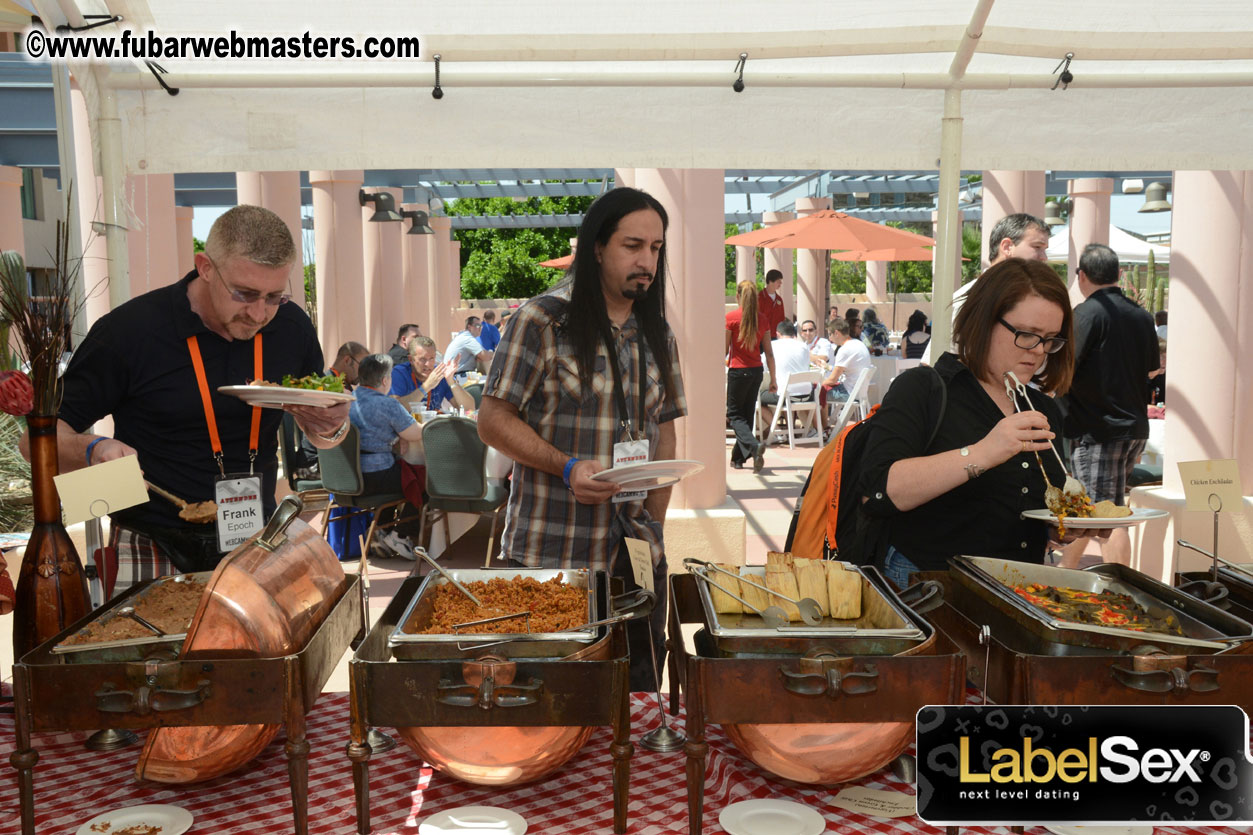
(576, 54)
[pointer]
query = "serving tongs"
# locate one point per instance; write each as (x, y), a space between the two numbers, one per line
(629, 606)
(774, 616)
(1052, 495)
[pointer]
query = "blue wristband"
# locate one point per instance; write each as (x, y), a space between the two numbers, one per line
(565, 474)
(90, 447)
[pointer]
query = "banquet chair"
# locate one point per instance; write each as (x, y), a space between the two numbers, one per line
(290, 454)
(475, 390)
(456, 477)
(855, 396)
(792, 406)
(340, 468)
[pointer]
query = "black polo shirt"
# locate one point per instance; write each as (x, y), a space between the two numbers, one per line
(134, 364)
(979, 517)
(1115, 349)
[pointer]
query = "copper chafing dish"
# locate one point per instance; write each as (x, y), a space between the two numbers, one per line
(1232, 591)
(984, 585)
(275, 620)
(817, 714)
(492, 709)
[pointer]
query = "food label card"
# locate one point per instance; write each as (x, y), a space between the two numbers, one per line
(1211, 485)
(95, 491)
(641, 562)
(874, 803)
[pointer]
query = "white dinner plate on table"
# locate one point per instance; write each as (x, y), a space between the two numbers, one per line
(168, 820)
(1099, 829)
(771, 817)
(648, 475)
(474, 820)
(1138, 515)
(276, 397)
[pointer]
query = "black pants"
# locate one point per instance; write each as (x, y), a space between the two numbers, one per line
(742, 387)
(642, 679)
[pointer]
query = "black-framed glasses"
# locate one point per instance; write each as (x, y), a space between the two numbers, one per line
(1027, 340)
(250, 296)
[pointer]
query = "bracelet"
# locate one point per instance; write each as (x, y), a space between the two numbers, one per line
(973, 471)
(565, 474)
(92, 446)
(339, 433)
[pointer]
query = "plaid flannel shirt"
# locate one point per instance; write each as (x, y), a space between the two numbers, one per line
(535, 370)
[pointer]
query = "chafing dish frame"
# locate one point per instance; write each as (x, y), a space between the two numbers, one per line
(413, 646)
(1205, 627)
(181, 692)
(1237, 585)
(755, 638)
(391, 692)
(1008, 672)
(715, 688)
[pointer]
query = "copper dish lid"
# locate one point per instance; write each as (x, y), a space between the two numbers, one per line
(265, 600)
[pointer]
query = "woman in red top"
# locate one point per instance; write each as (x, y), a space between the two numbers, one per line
(747, 337)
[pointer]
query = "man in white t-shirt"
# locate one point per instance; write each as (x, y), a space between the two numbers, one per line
(851, 357)
(465, 351)
(819, 347)
(791, 356)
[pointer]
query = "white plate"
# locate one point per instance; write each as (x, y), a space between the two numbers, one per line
(648, 475)
(173, 820)
(1138, 515)
(771, 817)
(276, 397)
(473, 820)
(1099, 829)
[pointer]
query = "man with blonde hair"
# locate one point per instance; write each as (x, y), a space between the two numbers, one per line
(156, 363)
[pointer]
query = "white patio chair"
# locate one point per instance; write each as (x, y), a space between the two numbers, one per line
(856, 396)
(792, 406)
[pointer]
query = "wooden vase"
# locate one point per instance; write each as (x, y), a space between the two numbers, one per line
(51, 585)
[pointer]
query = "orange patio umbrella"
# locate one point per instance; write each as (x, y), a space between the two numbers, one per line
(562, 263)
(830, 229)
(905, 253)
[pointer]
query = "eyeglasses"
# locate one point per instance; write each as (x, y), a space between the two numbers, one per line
(250, 296)
(1028, 341)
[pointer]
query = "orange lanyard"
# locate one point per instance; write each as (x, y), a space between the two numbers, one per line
(193, 348)
(413, 375)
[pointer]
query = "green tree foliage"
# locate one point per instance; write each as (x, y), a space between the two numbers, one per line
(504, 263)
(197, 245)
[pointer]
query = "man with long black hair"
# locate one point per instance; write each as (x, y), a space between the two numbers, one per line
(586, 376)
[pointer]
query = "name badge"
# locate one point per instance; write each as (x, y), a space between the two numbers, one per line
(630, 452)
(240, 512)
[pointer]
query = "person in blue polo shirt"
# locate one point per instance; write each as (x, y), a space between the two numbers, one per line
(422, 378)
(489, 337)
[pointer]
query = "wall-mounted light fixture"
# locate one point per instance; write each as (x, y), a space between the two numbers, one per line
(384, 205)
(421, 222)
(1155, 198)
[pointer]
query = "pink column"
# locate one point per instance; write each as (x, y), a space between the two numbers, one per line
(414, 268)
(11, 233)
(454, 270)
(278, 191)
(1210, 383)
(384, 275)
(153, 241)
(337, 241)
(1089, 222)
(95, 269)
(812, 267)
(1006, 193)
(438, 301)
(185, 243)
(624, 178)
(877, 281)
(746, 264)
(781, 260)
(695, 278)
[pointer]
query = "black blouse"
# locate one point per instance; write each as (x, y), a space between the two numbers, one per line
(979, 517)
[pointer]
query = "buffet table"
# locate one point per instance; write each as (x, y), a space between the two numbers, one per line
(73, 784)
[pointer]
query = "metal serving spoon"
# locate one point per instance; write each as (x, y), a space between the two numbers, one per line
(1051, 494)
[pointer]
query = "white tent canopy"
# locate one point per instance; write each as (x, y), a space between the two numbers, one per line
(1129, 248)
(858, 85)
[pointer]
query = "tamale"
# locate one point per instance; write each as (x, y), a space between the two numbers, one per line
(779, 561)
(843, 591)
(811, 581)
(784, 582)
(724, 604)
(752, 594)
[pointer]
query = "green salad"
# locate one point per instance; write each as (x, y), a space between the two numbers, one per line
(314, 382)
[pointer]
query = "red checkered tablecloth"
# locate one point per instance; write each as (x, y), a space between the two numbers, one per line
(72, 785)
